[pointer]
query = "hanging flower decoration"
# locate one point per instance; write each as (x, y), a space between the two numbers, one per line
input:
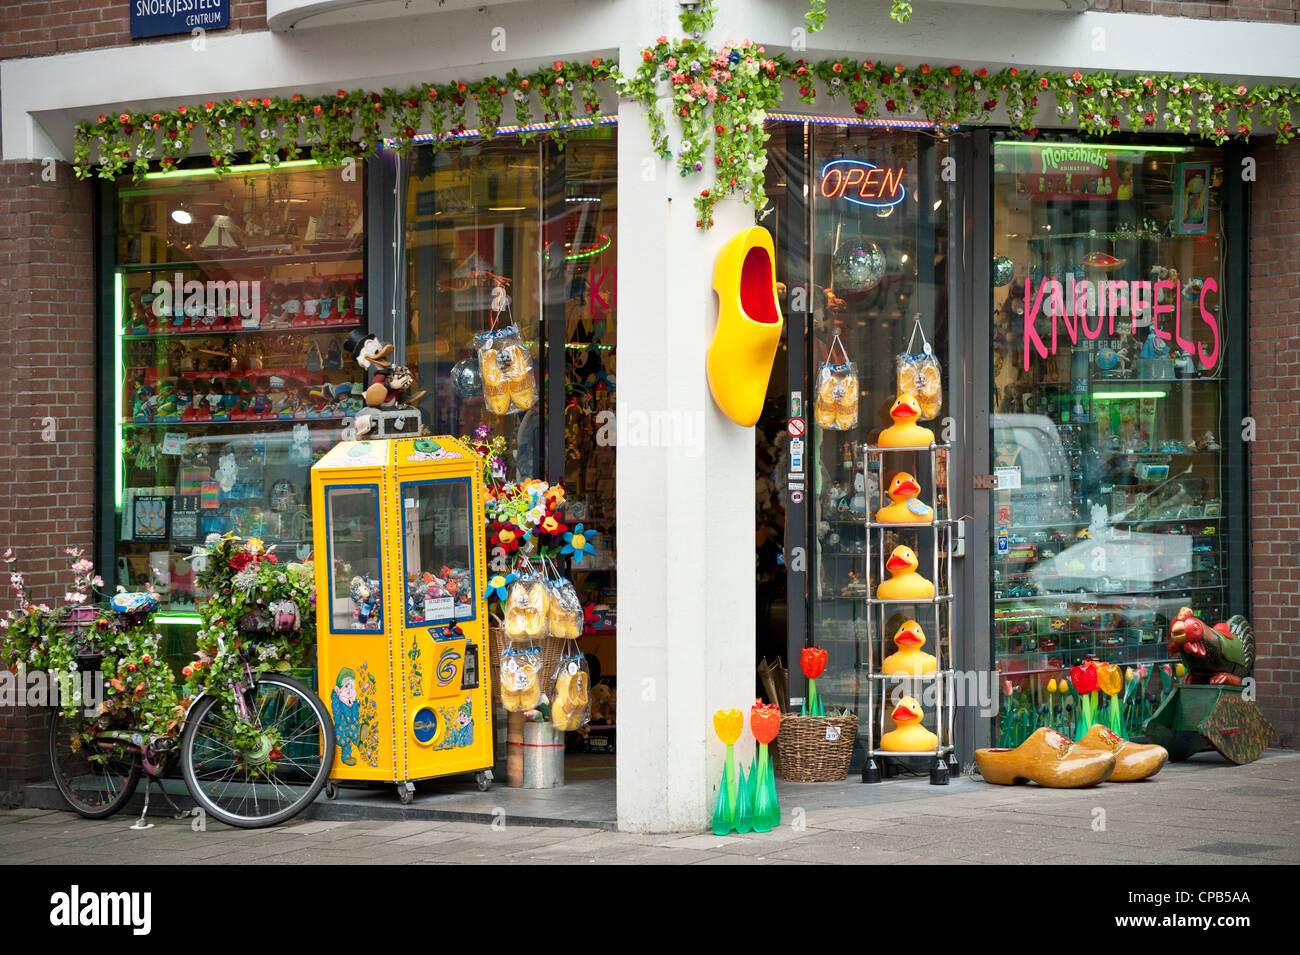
(505, 535)
(578, 543)
(498, 586)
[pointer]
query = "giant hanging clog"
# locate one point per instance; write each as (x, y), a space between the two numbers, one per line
(739, 360)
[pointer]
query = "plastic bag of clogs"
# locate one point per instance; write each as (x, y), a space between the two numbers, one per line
(521, 676)
(920, 375)
(564, 610)
(509, 379)
(526, 607)
(570, 691)
(836, 405)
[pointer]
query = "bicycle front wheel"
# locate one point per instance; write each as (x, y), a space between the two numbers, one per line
(96, 774)
(252, 779)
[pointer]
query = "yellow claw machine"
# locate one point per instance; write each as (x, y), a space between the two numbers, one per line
(401, 626)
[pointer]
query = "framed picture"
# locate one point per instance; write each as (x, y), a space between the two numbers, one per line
(185, 525)
(1192, 203)
(149, 518)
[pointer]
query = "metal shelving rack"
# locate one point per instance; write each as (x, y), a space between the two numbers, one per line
(938, 612)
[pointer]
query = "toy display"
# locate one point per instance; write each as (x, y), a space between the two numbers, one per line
(739, 358)
(1048, 759)
(1221, 655)
(904, 583)
(909, 659)
(399, 530)
(908, 735)
(388, 409)
(906, 509)
(905, 432)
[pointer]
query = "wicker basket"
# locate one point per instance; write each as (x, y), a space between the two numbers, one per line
(552, 650)
(496, 642)
(807, 756)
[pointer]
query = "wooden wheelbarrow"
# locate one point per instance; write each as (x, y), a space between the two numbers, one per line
(1197, 717)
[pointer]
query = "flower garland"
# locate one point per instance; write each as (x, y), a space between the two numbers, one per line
(334, 128)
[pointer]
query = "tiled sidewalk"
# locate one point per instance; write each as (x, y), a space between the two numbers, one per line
(1200, 812)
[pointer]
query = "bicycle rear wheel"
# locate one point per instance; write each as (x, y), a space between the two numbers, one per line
(261, 785)
(96, 776)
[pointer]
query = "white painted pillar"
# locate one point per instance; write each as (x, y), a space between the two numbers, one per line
(685, 500)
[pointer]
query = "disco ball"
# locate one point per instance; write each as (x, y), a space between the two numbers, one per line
(1004, 270)
(858, 267)
(467, 378)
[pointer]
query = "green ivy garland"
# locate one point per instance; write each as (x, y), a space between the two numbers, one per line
(718, 98)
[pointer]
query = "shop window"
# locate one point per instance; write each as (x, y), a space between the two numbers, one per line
(356, 569)
(878, 268)
(1110, 345)
(438, 552)
(504, 234)
(231, 296)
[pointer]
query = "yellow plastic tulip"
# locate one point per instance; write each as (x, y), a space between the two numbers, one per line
(1130, 675)
(728, 724)
(1109, 680)
(1051, 685)
(1179, 669)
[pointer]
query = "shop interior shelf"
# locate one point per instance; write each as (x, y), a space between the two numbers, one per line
(903, 676)
(941, 522)
(941, 751)
(222, 332)
(1093, 595)
(244, 261)
(225, 424)
(877, 449)
(928, 602)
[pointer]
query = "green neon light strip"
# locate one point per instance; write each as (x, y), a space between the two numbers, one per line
(250, 167)
(1108, 149)
(180, 619)
(1125, 395)
(119, 463)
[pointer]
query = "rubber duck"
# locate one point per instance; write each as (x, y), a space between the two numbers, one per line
(906, 509)
(739, 359)
(906, 583)
(908, 735)
(905, 432)
(910, 658)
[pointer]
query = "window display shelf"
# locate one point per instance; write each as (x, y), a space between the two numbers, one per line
(223, 422)
(1097, 594)
(882, 677)
(213, 332)
(247, 261)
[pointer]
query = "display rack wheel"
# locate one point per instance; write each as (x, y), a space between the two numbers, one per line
(254, 786)
(939, 773)
(483, 780)
(331, 790)
(405, 793)
(93, 787)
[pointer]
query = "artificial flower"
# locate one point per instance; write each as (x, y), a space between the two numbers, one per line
(764, 721)
(728, 724)
(578, 543)
(498, 586)
(813, 661)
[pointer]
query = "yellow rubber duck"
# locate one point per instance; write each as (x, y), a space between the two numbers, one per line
(903, 490)
(908, 735)
(906, 583)
(910, 658)
(905, 432)
(739, 359)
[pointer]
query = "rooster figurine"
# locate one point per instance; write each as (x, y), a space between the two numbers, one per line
(1220, 655)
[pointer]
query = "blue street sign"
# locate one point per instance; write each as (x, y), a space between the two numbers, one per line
(171, 17)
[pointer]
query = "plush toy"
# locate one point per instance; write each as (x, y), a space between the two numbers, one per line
(227, 473)
(366, 602)
(300, 450)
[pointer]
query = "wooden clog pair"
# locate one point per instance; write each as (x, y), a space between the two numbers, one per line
(1052, 760)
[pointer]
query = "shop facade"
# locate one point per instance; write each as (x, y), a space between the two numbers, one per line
(1136, 437)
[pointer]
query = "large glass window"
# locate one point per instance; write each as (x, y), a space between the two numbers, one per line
(504, 234)
(231, 298)
(879, 289)
(1109, 358)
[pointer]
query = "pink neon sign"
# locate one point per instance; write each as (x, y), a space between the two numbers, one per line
(1068, 306)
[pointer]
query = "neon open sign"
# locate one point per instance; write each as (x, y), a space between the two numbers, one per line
(862, 183)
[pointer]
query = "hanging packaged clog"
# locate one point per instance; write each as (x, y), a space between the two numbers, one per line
(564, 609)
(570, 691)
(526, 607)
(506, 366)
(920, 375)
(521, 684)
(836, 407)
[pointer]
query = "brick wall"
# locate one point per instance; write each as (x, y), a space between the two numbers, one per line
(1276, 11)
(42, 27)
(47, 285)
(1275, 455)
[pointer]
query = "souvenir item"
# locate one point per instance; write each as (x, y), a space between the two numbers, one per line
(564, 610)
(904, 583)
(739, 358)
(1222, 654)
(836, 407)
(1046, 758)
(526, 608)
(919, 374)
(909, 659)
(521, 686)
(908, 735)
(571, 692)
(906, 509)
(905, 432)
(506, 367)
(1133, 761)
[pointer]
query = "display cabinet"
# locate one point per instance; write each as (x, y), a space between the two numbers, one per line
(230, 300)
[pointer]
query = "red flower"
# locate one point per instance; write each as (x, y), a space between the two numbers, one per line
(889, 105)
(1076, 76)
(1114, 121)
(1013, 71)
(102, 117)
(764, 721)
(340, 94)
(719, 129)
(240, 561)
(1043, 82)
(813, 661)
(595, 62)
(955, 70)
(1150, 119)
(837, 68)
(1084, 678)
(316, 110)
(647, 55)
(124, 118)
(925, 68)
(266, 101)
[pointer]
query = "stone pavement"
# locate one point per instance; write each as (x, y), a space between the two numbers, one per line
(1201, 812)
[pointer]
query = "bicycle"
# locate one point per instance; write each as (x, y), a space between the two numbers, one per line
(255, 760)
